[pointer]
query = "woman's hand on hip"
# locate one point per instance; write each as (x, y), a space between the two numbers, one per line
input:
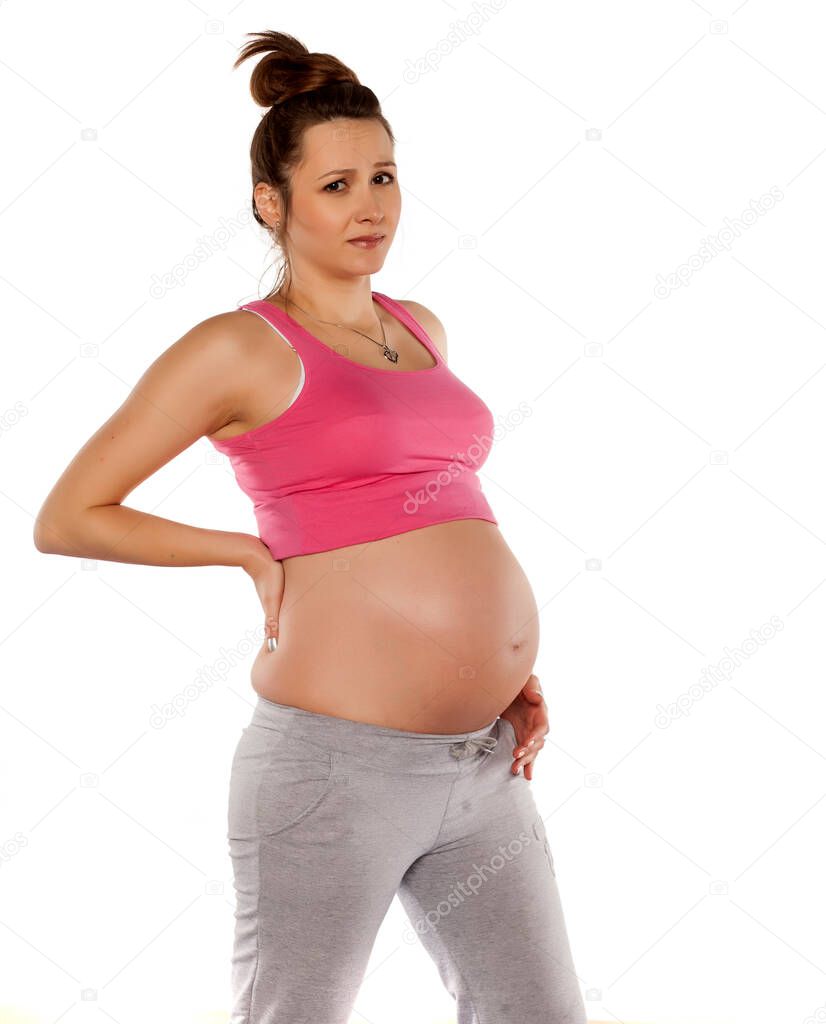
(528, 714)
(268, 576)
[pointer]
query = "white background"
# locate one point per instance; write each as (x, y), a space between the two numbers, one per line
(664, 492)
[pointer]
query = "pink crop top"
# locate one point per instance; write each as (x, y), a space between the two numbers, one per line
(362, 452)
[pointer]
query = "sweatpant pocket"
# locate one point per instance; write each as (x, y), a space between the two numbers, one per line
(541, 836)
(276, 781)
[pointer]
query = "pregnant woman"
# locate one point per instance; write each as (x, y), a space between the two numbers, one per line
(394, 682)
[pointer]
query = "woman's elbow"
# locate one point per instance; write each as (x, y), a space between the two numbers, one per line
(50, 535)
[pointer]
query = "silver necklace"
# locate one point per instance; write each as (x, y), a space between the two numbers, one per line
(387, 351)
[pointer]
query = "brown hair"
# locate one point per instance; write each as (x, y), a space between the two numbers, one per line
(301, 89)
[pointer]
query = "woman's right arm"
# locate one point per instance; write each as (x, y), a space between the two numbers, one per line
(192, 389)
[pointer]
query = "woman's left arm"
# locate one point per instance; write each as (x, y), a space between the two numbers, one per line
(528, 714)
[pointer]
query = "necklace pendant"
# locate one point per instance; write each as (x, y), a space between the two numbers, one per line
(390, 354)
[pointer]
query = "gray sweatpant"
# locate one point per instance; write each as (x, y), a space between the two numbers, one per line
(330, 818)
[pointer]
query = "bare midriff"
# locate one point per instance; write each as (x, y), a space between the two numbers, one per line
(435, 630)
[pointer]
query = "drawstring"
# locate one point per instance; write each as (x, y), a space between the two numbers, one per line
(466, 747)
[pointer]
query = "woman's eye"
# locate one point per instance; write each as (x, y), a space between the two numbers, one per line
(383, 174)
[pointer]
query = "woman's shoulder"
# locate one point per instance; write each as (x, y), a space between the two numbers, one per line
(236, 346)
(432, 324)
(235, 332)
(229, 328)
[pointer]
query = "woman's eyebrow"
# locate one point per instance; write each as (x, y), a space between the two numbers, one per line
(352, 170)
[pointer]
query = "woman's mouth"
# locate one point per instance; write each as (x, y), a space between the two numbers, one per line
(366, 243)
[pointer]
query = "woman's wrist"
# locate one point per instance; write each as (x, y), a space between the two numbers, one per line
(253, 553)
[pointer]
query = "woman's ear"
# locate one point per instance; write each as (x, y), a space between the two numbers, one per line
(267, 203)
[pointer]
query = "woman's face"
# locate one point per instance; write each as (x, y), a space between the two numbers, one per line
(345, 186)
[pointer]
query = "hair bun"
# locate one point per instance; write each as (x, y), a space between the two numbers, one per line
(288, 68)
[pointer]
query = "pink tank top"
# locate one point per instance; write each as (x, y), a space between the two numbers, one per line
(362, 452)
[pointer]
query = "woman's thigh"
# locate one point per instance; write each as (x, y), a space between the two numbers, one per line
(485, 904)
(319, 842)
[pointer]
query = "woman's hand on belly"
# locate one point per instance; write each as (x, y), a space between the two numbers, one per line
(528, 714)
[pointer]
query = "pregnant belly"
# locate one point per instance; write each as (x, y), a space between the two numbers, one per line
(433, 630)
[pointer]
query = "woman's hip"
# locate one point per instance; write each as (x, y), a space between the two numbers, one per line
(308, 777)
